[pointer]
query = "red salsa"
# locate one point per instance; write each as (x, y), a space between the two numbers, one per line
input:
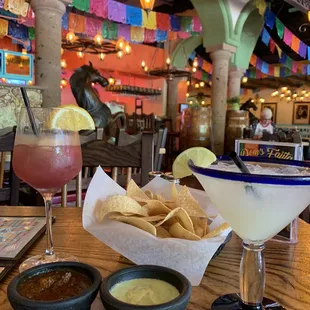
(54, 285)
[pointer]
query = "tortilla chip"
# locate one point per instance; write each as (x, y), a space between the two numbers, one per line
(137, 222)
(186, 201)
(200, 226)
(155, 207)
(162, 232)
(121, 204)
(159, 197)
(135, 192)
(170, 204)
(174, 193)
(177, 231)
(181, 216)
(149, 194)
(151, 219)
(216, 231)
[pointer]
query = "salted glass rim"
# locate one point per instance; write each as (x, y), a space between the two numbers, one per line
(256, 178)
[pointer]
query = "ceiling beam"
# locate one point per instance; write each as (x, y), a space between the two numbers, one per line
(302, 5)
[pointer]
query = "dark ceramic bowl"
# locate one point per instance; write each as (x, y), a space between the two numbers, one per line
(80, 302)
(152, 272)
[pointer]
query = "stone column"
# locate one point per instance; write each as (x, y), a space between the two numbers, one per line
(172, 100)
(48, 45)
(234, 83)
(220, 63)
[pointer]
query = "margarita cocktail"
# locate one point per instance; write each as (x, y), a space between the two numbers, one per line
(257, 206)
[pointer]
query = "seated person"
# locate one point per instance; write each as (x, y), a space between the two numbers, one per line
(265, 124)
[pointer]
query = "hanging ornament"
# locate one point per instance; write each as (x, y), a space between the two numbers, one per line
(120, 54)
(70, 37)
(120, 44)
(128, 49)
(63, 64)
(195, 62)
(98, 39)
(63, 83)
(111, 80)
(80, 55)
(147, 5)
(101, 56)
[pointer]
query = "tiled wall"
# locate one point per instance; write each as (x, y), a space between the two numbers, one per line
(11, 101)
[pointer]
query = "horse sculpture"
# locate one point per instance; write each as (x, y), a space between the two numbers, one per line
(246, 107)
(88, 98)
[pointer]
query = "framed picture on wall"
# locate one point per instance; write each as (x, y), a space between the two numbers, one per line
(301, 113)
(273, 107)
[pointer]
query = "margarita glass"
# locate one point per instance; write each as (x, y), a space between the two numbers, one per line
(257, 206)
(46, 161)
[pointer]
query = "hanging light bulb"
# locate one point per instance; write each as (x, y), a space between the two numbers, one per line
(284, 88)
(202, 84)
(120, 44)
(63, 64)
(191, 102)
(128, 49)
(294, 95)
(93, 84)
(288, 98)
(252, 100)
(244, 79)
(3, 80)
(210, 83)
(188, 83)
(194, 69)
(101, 56)
(196, 85)
(262, 100)
(288, 92)
(168, 61)
(120, 54)
(146, 68)
(307, 95)
(70, 37)
(30, 83)
(143, 64)
(147, 5)
(195, 62)
(111, 80)
(187, 95)
(203, 102)
(80, 55)
(301, 98)
(63, 83)
(282, 95)
(304, 92)
(98, 39)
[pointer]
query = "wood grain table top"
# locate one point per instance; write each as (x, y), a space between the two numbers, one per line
(288, 266)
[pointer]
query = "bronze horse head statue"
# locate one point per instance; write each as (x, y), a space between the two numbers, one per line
(88, 98)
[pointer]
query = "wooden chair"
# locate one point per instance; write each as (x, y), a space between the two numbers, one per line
(8, 194)
(138, 154)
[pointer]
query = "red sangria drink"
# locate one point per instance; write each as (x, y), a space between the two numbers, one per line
(47, 160)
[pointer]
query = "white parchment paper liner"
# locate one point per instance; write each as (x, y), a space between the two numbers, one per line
(190, 258)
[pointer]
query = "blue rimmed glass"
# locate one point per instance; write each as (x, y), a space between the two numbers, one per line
(257, 207)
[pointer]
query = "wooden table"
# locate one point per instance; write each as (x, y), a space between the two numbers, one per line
(288, 266)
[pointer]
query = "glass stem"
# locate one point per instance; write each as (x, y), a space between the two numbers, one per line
(252, 275)
(48, 214)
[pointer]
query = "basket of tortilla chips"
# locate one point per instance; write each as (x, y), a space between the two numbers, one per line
(161, 224)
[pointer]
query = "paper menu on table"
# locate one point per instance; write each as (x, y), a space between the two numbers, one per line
(188, 257)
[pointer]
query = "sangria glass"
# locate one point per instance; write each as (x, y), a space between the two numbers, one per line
(46, 161)
(257, 206)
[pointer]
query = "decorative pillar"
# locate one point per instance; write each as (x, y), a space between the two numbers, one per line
(172, 100)
(234, 83)
(220, 56)
(48, 17)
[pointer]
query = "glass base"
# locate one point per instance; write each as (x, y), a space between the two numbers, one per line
(233, 302)
(45, 259)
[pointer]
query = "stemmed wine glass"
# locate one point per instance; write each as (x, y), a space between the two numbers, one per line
(46, 160)
(257, 206)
